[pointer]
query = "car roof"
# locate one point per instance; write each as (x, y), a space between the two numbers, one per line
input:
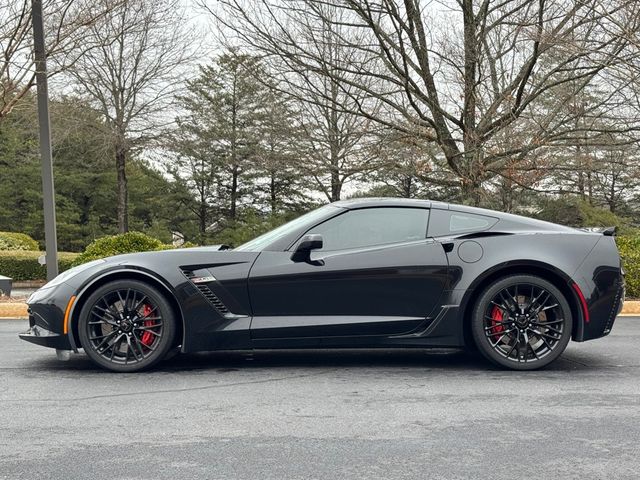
(388, 202)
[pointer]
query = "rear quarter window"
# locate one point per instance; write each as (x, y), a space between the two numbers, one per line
(448, 222)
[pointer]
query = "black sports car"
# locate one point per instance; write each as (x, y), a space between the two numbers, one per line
(358, 273)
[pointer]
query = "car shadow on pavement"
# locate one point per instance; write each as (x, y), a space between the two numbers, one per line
(435, 359)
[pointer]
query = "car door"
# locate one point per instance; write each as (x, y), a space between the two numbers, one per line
(376, 274)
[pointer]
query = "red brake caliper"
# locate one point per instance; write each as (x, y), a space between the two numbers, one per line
(147, 337)
(496, 322)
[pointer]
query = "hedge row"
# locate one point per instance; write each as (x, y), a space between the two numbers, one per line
(629, 247)
(17, 241)
(129, 242)
(23, 265)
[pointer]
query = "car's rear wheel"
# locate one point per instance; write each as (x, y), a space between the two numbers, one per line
(521, 322)
(126, 326)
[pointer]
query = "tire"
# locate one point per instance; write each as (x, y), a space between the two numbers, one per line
(172, 353)
(521, 322)
(126, 326)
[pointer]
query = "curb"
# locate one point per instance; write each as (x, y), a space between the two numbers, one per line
(631, 307)
(15, 310)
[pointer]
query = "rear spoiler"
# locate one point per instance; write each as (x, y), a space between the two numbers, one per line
(608, 231)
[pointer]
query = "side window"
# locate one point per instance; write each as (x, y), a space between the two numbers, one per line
(447, 222)
(373, 226)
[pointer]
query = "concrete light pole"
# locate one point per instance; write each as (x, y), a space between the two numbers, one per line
(48, 195)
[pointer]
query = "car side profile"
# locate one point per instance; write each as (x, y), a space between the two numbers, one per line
(370, 273)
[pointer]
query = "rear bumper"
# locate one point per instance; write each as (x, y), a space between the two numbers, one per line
(605, 302)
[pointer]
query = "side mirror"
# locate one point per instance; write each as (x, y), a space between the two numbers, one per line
(307, 243)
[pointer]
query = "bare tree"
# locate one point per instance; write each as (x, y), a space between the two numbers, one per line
(133, 76)
(464, 72)
(67, 23)
(337, 146)
(335, 140)
(410, 168)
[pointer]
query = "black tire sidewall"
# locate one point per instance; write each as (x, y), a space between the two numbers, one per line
(482, 341)
(168, 316)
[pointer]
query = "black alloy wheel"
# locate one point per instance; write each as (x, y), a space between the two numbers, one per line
(126, 326)
(522, 322)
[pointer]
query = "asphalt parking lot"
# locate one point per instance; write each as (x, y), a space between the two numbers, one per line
(325, 415)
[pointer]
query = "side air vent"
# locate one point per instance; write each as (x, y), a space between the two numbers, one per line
(213, 299)
(206, 291)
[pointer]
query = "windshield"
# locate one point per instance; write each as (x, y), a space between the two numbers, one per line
(260, 243)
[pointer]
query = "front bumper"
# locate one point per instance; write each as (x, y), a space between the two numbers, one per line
(41, 336)
(46, 317)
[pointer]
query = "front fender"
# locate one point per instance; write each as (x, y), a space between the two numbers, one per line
(86, 285)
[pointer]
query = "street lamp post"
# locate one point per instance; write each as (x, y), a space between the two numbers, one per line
(48, 195)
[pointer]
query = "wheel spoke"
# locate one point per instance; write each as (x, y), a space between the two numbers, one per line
(139, 304)
(123, 304)
(102, 321)
(500, 306)
(515, 344)
(535, 300)
(554, 330)
(141, 346)
(108, 312)
(489, 317)
(525, 338)
(508, 300)
(114, 315)
(98, 337)
(106, 340)
(544, 340)
(548, 307)
(494, 345)
(496, 327)
(542, 334)
(148, 314)
(549, 322)
(543, 303)
(132, 345)
(148, 329)
(113, 352)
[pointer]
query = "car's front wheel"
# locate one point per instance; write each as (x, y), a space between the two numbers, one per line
(126, 326)
(521, 322)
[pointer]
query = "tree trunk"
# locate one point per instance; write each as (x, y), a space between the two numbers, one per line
(612, 195)
(336, 186)
(272, 193)
(203, 218)
(471, 191)
(234, 192)
(406, 187)
(123, 191)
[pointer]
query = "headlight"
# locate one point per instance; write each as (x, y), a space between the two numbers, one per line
(66, 275)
